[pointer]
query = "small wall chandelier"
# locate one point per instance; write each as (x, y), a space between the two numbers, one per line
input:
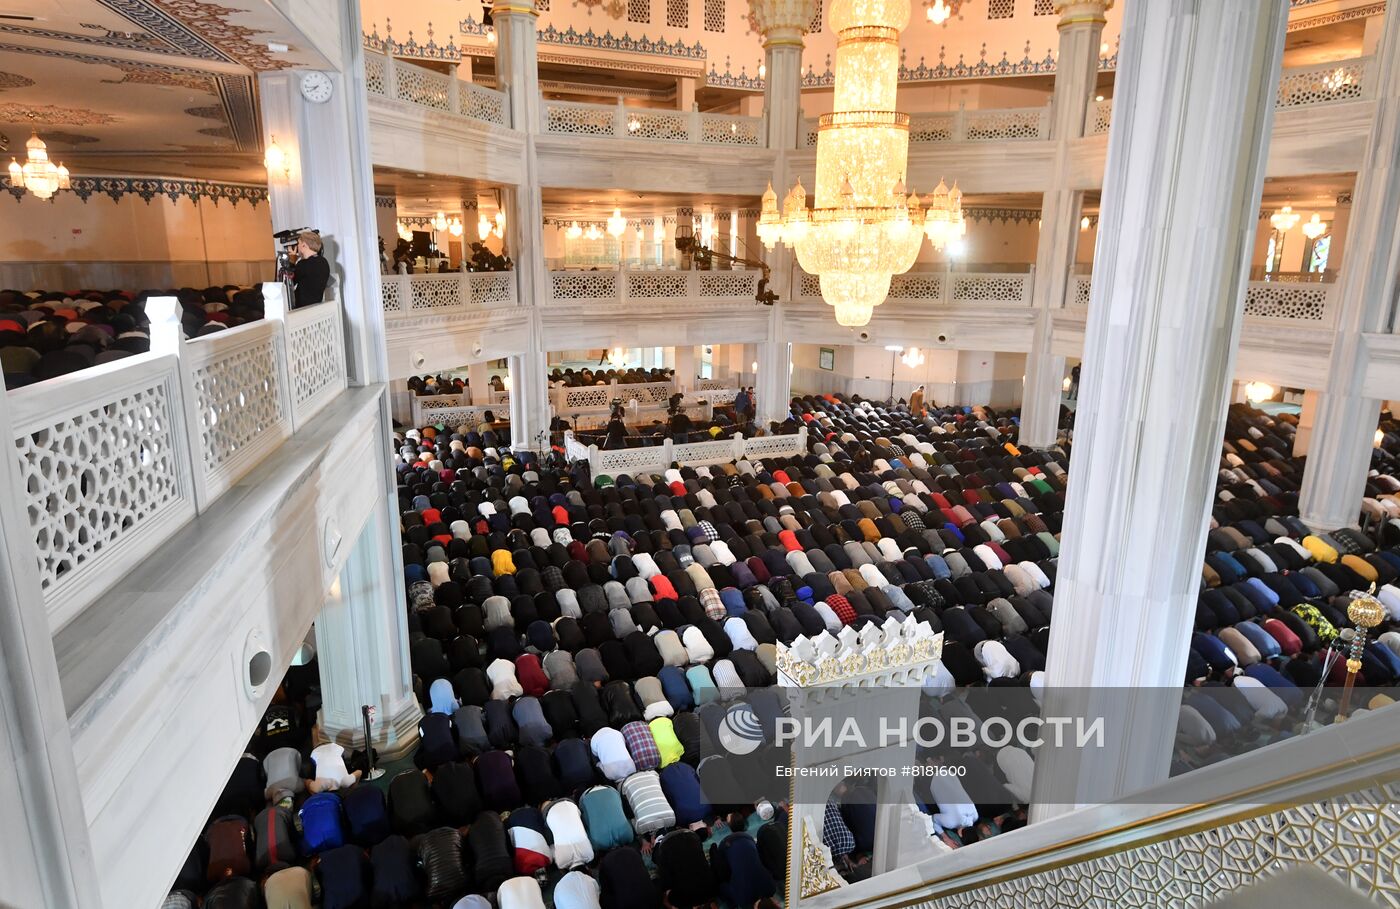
(38, 174)
(913, 358)
(279, 167)
(593, 233)
(1285, 219)
(454, 226)
(439, 221)
(1314, 227)
(573, 231)
(864, 228)
(485, 227)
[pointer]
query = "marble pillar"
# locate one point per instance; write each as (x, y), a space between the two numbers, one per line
(1339, 453)
(1080, 29)
(1194, 96)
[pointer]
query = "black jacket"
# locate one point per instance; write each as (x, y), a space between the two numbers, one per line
(311, 275)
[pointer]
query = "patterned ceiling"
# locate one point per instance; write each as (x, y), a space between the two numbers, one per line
(139, 86)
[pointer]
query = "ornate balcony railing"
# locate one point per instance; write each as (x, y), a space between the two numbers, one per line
(446, 292)
(958, 287)
(116, 458)
(962, 125)
(573, 118)
(1298, 86)
(397, 80)
(651, 286)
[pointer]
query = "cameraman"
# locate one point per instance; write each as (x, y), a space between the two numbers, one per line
(312, 272)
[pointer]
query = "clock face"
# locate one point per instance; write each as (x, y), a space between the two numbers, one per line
(316, 87)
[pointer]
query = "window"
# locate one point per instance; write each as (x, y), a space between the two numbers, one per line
(1317, 253)
(1270, 265)
(542, 5)
(678, 13)
(816, 24)
(1045, 7)
(714, 15)
(639, 11)
(1001, 9)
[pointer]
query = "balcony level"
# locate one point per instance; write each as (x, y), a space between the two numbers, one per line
(426, 121)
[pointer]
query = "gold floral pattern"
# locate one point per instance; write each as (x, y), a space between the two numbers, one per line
(50, 114)
(211, 22)
(14, 80)
(817, 875)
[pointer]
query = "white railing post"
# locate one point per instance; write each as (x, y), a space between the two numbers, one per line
(620, 120)
(391, 77)
(958, 131)
(693, 130)
(454, 92)
(737, 449)
(168, 337)
(622, 286)
(1028, 286)
(464, 289)
(668, 449)
(593, 462)
(1043, 129)
(275, 307)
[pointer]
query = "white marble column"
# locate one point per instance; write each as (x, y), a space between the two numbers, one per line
(1194, 91)
(1339, 452)
(782, 23)
(479, 382)
(47, 860)
(517, 67)
(685, 367)
(329, 185)
(361, 653)
(1307, 418)
(1081, 29)
(362, 632)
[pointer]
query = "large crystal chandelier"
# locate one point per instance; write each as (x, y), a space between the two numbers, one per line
(38, 174)
(863, 229)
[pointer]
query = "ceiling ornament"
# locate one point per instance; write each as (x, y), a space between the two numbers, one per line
(191, 79)
(199, 25)
(58, 137)
(53, 115)
(213, 112)
(97, 36)
(217, 132)
(14, 80)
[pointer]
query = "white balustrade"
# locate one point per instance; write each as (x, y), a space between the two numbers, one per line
(658, 458)
(1323, 83)
(963, 125)
(653, 286)
(959, 287)
(1297, 303)
(573, 118)
(398, 80)
(446, 292)
(116, 458)
(1298, 86)
(1100, 116)
(1077, 294)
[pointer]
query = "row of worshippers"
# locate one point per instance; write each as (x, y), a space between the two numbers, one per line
(635, 375)
(44, 335)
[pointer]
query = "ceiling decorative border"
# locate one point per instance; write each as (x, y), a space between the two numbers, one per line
(199, 28)
(385, 202)
(235, 92)
(1346, 15)
(1014, 215)
(411, 48)
(101, 37)
(148, 188)
(607, 41)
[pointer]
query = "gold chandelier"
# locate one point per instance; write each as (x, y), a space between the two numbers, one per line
(38, 174)
(863, 229)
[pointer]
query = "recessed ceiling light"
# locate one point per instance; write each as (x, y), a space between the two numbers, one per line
(277, 47)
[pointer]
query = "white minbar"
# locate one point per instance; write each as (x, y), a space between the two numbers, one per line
(827, 678)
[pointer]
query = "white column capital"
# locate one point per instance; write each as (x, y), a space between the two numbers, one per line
(783, 21)
(1077, 12)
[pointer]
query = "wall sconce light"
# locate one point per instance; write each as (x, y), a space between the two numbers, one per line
(276, 161)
